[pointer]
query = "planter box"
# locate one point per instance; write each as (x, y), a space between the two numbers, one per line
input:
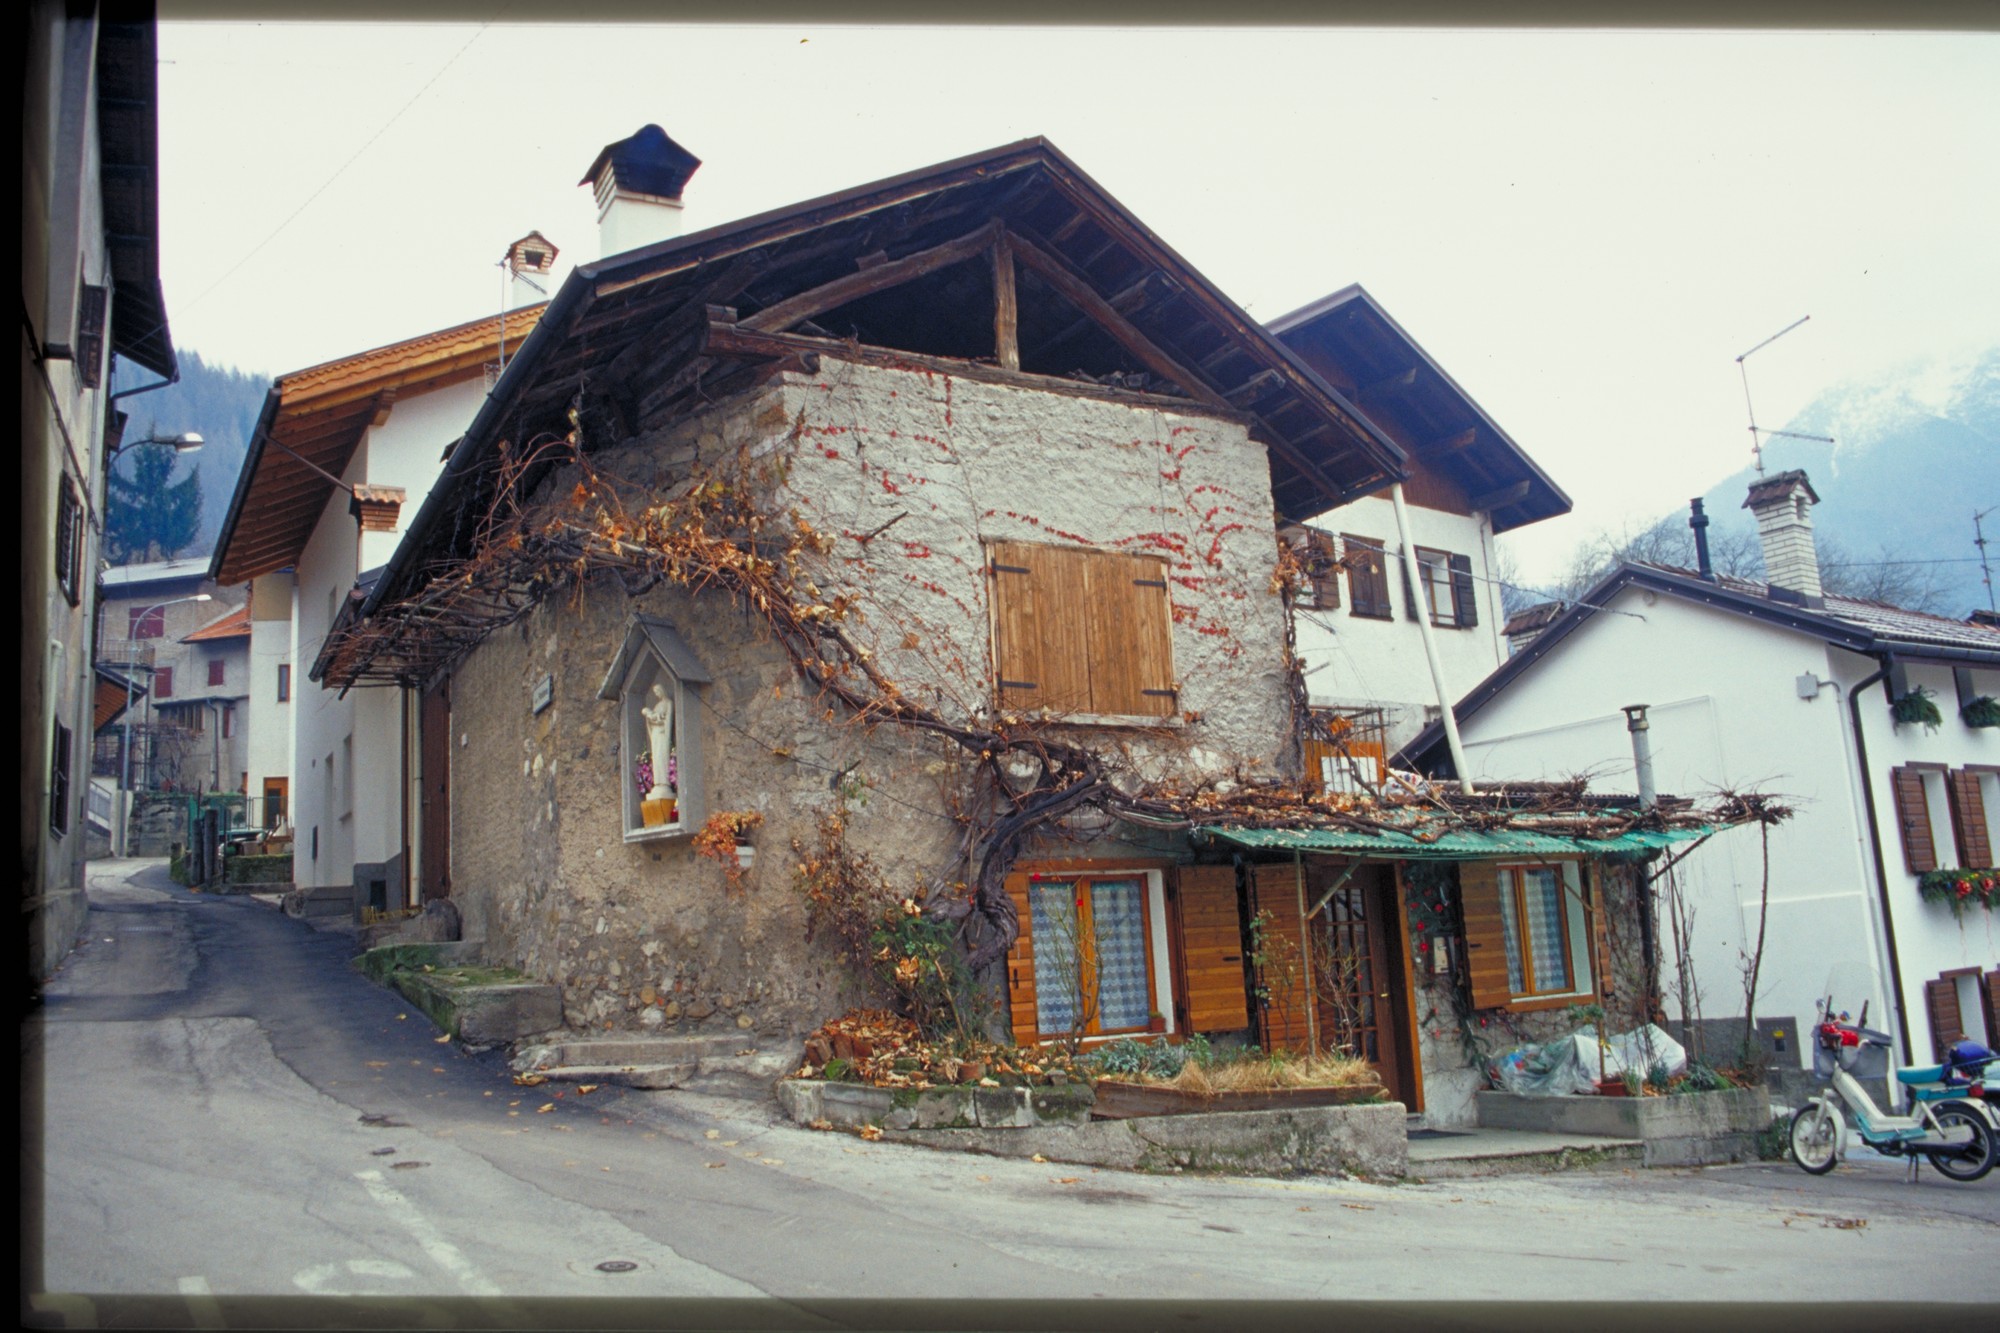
(851, 1105)
(1686, 1129)
(1123, 1101)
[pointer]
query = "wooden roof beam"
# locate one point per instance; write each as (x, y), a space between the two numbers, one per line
(1500, 499)
(1389, 384)
(868, 281)
(1450, 444)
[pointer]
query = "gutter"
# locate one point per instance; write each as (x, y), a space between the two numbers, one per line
(1875, 845)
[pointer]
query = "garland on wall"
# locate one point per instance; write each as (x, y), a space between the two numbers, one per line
(1961, 890)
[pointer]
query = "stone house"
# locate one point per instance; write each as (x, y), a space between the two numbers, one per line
(898, 522)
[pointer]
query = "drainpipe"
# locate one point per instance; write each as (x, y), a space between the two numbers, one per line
(1430, 642)
(1881, 870)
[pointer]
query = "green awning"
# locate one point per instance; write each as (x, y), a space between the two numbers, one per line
(1428, 844)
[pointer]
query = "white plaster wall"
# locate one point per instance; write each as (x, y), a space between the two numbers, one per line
(1359, 661)
(1929, 939)
(407, 451)
(1725, 712)
(321, 719)
(268, 738)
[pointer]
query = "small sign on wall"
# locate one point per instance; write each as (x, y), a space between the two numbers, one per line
(545, 692)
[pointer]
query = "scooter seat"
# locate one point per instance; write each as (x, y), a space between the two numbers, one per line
(1920, 1074)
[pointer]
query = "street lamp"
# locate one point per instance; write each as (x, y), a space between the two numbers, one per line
(186, 442)
(129, 666)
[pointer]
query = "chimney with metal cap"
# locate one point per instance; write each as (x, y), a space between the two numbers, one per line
(1782, 504)
(638, 182)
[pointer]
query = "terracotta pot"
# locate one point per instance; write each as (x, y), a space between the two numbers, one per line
(1157, 1023)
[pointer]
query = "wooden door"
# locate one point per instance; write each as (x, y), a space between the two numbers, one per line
(277, 801)
(1206, 932)
(1357, 980)
(434, 799)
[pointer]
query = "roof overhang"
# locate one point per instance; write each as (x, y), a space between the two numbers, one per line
(129, 153)
(1323, 450)
(1439, 841)
(1349, 337)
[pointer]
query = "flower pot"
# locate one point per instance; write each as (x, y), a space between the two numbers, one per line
(745, 855)
(1156, 1023)
(1612, 1087)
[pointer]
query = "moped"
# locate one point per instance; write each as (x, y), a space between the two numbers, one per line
(1956, 1136)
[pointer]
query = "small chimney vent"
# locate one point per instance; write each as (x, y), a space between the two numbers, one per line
(529, 263)
(1699, 522)
(1782, 504)
(638, 183)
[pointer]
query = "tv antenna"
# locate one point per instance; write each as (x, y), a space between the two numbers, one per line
(1979, 539)
(1757, 433)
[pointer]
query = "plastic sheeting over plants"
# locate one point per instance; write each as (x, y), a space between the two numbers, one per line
(1569, 1065)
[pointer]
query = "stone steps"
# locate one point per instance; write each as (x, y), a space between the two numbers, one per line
(723, 1064)
(1491, 1155)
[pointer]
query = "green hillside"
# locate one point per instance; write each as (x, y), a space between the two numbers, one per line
(220, 403)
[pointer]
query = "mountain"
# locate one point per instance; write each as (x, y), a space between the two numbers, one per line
(219, 402)
(1916, 453)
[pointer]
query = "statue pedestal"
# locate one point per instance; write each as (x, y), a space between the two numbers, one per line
(654, 814)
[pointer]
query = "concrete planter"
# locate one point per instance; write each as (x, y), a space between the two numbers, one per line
(1118, 1100)
(852, 1105)
(1688, 1129)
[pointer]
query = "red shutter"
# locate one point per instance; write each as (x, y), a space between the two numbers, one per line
(1968, 818)
(163, 682)
(1913, 819)
(215, 670)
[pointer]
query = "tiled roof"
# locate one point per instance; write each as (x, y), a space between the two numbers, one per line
(1877, 618)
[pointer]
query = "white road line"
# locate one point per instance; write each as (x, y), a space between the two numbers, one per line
(203, 1308)
(442, 1252)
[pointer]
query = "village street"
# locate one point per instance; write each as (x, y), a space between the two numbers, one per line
(228, 1109)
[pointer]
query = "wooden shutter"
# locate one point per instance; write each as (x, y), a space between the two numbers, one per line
(1480, 908)
(1968, 818)
(1211, 931)
(60, 760)
(1464, 597)
(1412, 607)
(1913, 818)
(1021, 969)
(1600, 929)
(1286, 977)
(1129, 627)
(69, 541)
(1367, 575)
(1041, 656)
(1947, 1024)
(1992, 996)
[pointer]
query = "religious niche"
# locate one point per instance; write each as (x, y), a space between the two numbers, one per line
(655, 680)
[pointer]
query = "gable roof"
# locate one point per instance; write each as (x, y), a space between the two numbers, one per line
(1349, 335)
(112, 690)
(129, 182)
(1853, 623)
(234, 625)
(1322, 450)
(320, 413)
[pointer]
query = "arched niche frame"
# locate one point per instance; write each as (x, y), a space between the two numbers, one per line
(655, 655)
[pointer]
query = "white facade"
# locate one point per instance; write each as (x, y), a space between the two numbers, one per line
(273, 678)
(347, 757)
(1726, 712)
(1354, 661)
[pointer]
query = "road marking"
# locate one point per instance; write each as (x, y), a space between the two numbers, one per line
(203, 1308)
(442, 1252)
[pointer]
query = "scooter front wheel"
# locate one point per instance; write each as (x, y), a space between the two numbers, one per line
(1815, 1138)
(1968, 1163)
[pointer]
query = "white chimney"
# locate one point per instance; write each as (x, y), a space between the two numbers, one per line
(529, 262)
(638, 183)
(1782, 505)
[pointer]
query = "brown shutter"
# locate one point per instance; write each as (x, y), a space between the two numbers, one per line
(1284, 977)
(1464, 597)
(1968, 817)
(1367, 575)
(1600, 931)
(1211, 949)
(1021, 969)
(1129, 626)
(1041, 658)
(1412, 608)
(1325, 566)
(1485, 935)
(1992, 994)
(1947, 1024)
(1913, 818)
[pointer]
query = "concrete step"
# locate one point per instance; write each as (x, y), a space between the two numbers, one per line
(622, 1076)
(721, 1063)
(1488, 1152)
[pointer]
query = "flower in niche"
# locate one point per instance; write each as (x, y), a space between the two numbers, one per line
(643, 774)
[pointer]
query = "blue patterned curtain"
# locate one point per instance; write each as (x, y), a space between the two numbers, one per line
(1546, 929)
(1053, 919)
(1118, 927)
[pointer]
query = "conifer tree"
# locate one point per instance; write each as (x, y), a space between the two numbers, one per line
(148, 516)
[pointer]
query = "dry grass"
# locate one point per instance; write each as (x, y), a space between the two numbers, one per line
(1269, 1073)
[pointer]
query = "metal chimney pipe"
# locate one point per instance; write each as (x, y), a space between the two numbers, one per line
(1642, 750)
(1699, 522)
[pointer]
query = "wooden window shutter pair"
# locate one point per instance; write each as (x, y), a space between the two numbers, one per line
(1481, 910)
(1968, 819)
(1367, 576)
(1913, 819)
(1082, 631)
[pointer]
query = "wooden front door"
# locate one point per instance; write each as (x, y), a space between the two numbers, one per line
(277, 803)
(434, 788)
(1359, 976)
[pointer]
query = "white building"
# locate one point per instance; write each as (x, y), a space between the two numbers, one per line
(1781, 687)
(90, 294)
(268, 744)
(1358, 634)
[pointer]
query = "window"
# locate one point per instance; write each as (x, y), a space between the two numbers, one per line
(1319, 554)
(69, 541)
(1367, 577)
(215, 671)
(1447, 593)
(1084, 961)
(228, 721)
(147, 622)
(1941, 816)
(163, 682)
(59, 766)
(1529, 932)
(1081, 631)
(1346, 749)
(284, 682)
(1975, 813)
(653, 678)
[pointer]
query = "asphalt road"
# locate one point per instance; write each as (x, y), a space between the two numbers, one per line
(228, 1109)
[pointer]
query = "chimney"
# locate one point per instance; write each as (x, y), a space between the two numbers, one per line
(1782, 504)
(638, 182)
(1699, 522)
(529, 263)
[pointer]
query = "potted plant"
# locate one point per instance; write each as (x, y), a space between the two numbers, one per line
(1981, 712)
(1156, 1022)
(1917, 707)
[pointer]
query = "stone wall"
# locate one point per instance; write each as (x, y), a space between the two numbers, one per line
(648, 935)
(1455, 1043)
(158, 824)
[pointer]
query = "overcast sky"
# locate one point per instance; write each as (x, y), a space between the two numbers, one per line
(1585, 229)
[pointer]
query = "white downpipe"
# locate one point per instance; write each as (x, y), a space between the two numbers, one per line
(1415, 582)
